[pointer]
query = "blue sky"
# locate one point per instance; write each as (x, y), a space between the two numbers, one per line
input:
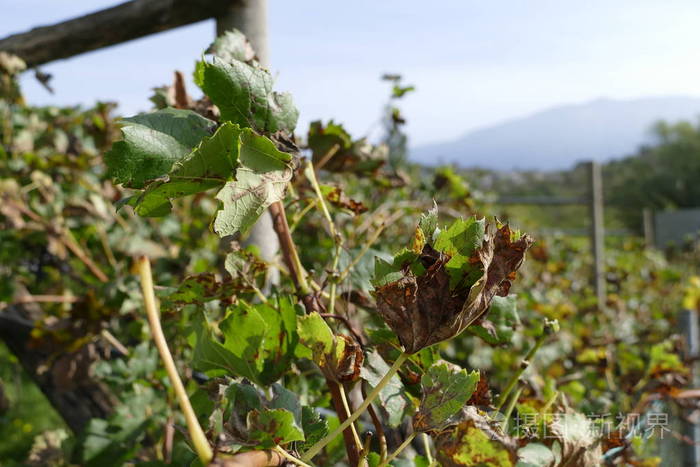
(474, 63)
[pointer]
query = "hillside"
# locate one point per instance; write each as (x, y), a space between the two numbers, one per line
(557, 138)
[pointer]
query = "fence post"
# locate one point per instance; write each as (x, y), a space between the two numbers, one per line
(249, 17)
(691, 332)
(597, 230)
(648, 225)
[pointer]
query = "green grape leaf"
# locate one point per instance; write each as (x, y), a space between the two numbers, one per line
(232, 46)
(385, 272)
(273, 427)
(339, 357)
(462, 237)
(502, 319)
(152, 143)
(322, 139)
(244, 331)
(250, 170)
(315, 427)
(281, 339)
(210, 165)
(282, 398)
(259, 342)
(315, 334)
(333, 148)
(261, 180)
(469, 445)
(392, 395)
(245, 397)
(460, 241)
(243, 93)
(446, 389)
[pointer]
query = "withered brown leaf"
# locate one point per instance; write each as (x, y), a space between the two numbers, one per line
(348, 363)
(339, 199)
(422, 310)
(476, 440)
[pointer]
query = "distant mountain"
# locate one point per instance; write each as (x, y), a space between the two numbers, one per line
(559, 137)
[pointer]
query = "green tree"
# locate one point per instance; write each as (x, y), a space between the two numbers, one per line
(659, 176)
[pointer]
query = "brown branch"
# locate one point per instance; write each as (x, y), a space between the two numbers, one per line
(310, 301)
(279, 223)
(350, 446)
(381, 436)
(291, 257)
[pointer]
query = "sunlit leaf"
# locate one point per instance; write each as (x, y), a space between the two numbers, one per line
(153, 143)
(243, 93)
(446, 389)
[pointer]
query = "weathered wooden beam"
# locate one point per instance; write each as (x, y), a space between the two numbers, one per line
(122, 23)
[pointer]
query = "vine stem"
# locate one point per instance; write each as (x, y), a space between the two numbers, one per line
(199, 440)
(403, 446)
(337, 239)
(381, 436)
(316, 448)
(426, 446)
(509, 409)
(350, 438)
(289, 251)
(344, 398)
(311, 175)
(334, 278)
(524, 364)
(290, 457)
(301, 284)
(297, 219)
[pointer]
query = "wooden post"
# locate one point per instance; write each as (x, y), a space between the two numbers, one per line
(597, 231)
(648, 225)
(249, 17)
(691, 331)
